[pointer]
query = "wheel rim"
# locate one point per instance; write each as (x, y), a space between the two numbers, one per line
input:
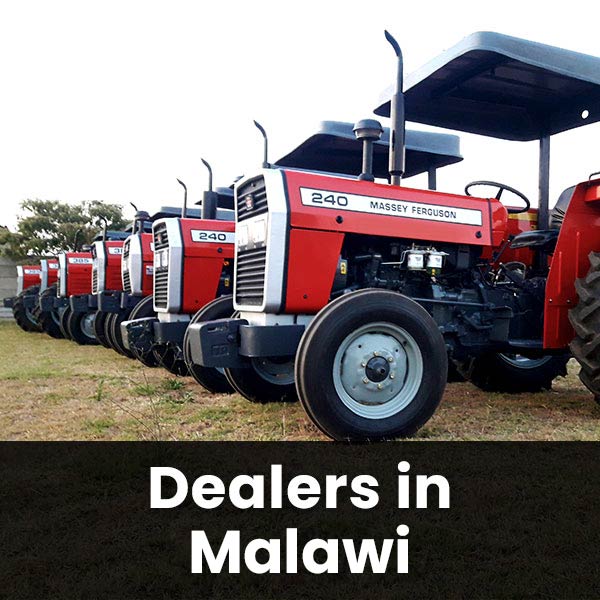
(278, 372)
(87, 325)
(377, 370)
(522, 362)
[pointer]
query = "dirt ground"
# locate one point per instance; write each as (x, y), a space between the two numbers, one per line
(55, 390)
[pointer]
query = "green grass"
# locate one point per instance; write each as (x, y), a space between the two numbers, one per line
(55, 390)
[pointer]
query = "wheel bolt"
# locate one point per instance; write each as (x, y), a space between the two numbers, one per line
(363, 364)
(365, 380)
(379, 386)
(390, 359)
(392, 376)
(375, 354)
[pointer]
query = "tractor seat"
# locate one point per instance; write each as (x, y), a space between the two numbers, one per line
(545, 239)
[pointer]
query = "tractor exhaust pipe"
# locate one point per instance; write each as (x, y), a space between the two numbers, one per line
(184, 207)
(135, 221)
(209, 198)
(398, 119)
(265, 163)
(76, 244)
(104, 228)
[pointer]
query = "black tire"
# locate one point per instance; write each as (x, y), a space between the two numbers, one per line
(408, 340)
(81, 327)
(143, 310)
(585, 318)
(209, 378)
(250, 384)
(515, 374)
(108, 331)
(171, 359)
(64, 323)
(99, 328)
(25, 317)
(50, 319)
(115, 335)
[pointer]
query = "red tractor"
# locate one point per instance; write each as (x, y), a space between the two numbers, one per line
(409, 279)
(23, 304)
(48, 320)
(193, 258)
(192, 266)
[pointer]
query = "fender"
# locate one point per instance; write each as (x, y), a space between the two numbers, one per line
(577, 238)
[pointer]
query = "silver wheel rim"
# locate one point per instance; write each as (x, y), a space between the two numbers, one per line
(87, 325)
(277, 373)
(378, 370)
(522, 362)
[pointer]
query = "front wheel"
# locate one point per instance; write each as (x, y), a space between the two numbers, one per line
(50, 320)
(143, 310)
(170, 358)
(81, 327)
(23, 315)
(209, 378)
(112, 331)
(99, 326)
(372, 365)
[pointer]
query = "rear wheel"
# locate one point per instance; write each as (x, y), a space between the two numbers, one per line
(81, 327)
(211, 379)
(99, 326)
(371, 366)
(585, 318)
(514, 373)
(50, 320)
(25, 316)
(143, 310)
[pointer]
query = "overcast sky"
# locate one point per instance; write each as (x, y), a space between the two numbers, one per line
(112, 100)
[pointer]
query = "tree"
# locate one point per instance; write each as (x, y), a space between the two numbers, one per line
(49, 226)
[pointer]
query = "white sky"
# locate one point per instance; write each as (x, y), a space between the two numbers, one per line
(113, 100)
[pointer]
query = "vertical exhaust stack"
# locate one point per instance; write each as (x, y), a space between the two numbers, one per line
(76, 242)
(184, 207)
(265, 163)
(209, 198)
(135, 220)
(398, 120)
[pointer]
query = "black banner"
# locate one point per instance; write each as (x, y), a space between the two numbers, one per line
(76, 520)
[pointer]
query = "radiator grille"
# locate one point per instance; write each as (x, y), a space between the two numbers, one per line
(126, 249)
(251, 199)
(250, 270)
(161, 274)
(95, 279)
(127, 282)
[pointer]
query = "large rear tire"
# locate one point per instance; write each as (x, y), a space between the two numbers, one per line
(50, 319)
(585, 318)
(516, 374)
(24, 316)
(371, 365)
(143, 310)
(210, 379)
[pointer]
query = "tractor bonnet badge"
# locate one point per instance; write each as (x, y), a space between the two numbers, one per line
(249, 200)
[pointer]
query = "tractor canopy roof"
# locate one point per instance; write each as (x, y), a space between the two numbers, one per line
(503, 87)
(334, 149)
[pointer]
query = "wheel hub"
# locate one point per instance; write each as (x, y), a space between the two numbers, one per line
(377, 369)
(374, 368)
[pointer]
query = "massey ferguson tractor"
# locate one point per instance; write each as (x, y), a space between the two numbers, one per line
(48, 320)
(205, 268)
(354, 295)
(192, 266)
(28, 287)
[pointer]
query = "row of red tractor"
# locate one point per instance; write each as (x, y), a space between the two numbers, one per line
(324, 278)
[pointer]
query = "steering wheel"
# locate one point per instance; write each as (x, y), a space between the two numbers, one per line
(501, 187)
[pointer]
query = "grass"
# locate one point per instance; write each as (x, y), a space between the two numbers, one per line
(56, 390)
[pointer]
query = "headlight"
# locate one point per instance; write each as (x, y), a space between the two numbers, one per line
(161, 258)
(252, 234)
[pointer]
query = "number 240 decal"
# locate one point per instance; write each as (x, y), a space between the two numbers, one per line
(218, 237)
(333, 199)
